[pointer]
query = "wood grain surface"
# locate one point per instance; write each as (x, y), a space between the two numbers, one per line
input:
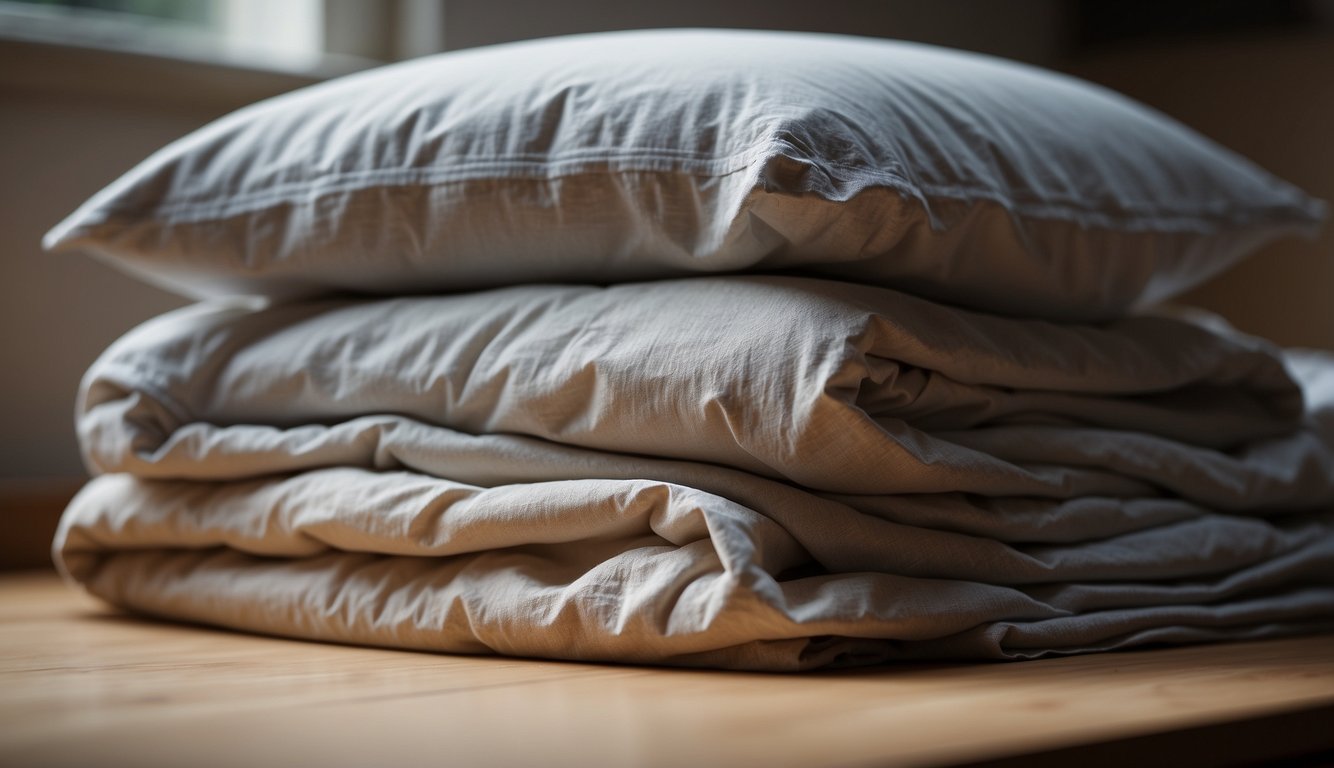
(84, 685)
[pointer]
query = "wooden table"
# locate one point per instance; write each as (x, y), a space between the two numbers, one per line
(83, 685)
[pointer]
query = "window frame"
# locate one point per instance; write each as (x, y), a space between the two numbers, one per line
(354, 35)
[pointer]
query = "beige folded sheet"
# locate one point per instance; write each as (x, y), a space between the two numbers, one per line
(757, 472)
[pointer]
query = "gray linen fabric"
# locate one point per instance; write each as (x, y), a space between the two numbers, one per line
(751, 472)
(649, 154)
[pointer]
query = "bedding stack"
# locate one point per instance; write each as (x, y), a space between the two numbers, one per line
(734, 349)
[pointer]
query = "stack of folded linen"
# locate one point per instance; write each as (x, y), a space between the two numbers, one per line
(751, 350)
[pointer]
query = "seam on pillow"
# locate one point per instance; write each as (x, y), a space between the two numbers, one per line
(497, 168)
(1129, 216)
(1297, 218)
(1148, 216)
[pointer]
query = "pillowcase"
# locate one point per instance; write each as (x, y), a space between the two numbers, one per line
(637, 155)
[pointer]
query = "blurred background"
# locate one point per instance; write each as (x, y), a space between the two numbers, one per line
(90, 87)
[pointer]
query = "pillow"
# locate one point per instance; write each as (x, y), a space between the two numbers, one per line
(637, 155)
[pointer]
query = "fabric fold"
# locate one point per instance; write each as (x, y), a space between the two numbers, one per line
(752, 472)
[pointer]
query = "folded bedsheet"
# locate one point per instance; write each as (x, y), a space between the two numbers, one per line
(749, 472)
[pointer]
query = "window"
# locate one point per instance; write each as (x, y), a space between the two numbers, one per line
(197, 12)
(283, 34)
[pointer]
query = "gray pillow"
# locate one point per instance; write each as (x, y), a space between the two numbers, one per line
(628, 156)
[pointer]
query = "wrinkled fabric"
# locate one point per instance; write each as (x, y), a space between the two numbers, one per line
(747, 472)
(667, 153)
